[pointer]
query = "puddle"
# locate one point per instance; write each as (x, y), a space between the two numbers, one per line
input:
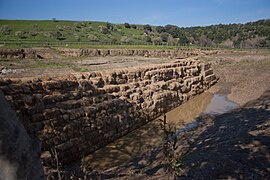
(220, 104)
(152, 134)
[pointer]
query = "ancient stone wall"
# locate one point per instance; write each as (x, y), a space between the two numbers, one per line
(47, 53)
(79, 113)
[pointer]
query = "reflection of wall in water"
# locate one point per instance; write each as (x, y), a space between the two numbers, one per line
(146, 137)
(189, 110)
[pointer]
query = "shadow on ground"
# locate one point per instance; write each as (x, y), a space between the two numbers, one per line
(234, 145)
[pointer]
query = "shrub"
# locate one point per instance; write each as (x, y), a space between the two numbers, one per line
(127, 25)
(109, 26)
(125, 40)
(33, 33)
(5, 30)
(148, 39)
(104, 30)
(147, 28)
(157, 41)
(92, 37)
(21, 34)
(58, 35)
(133, 26)
(164, 37)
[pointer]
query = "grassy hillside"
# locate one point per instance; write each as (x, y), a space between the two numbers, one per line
(85, 33)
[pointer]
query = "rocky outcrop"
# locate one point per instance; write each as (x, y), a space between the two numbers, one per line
(77, 114)
(19, 154)
(46, 53)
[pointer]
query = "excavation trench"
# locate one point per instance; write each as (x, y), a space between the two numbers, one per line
(153, 133)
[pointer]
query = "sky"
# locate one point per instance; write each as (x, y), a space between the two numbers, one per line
(183, 13)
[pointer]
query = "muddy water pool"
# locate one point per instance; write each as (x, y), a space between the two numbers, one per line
(152, 134)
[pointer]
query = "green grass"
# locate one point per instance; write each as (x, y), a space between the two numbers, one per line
(74, 34)
(44, 31)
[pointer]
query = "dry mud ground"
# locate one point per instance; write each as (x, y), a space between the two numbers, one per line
(234, 145)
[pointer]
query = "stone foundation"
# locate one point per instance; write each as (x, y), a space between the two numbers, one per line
(80, 113)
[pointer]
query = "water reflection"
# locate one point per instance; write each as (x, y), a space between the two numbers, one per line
(220, 104)
(146, 137)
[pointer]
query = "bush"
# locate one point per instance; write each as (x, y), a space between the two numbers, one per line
(157, 41)
(58, 35)
(127, 25)
(5, 30)
(33, 33)
(148, 39)
(104, 30)
(109, 26)
(147, 28)
(21, 34)
(125, 40)
(92, 37)
(133, 26)
(164, 37)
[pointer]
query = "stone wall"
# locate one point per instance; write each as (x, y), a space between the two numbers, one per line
(77, 114)
(46, 53)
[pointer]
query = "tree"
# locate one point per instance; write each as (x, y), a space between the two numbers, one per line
(157, 41)
(164, 37)
(104, 30)
(134, 26)
(58, 35)
(148, 39)
(109, 26)
(160, 29)
(147, 28)
(127, 25)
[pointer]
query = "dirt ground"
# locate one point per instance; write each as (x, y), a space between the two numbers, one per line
(244, 76)
(23, 68)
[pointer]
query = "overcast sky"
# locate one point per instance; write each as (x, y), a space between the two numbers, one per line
(154, 12)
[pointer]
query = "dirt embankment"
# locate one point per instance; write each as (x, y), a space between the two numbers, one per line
(47, 53)
(243, 76)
